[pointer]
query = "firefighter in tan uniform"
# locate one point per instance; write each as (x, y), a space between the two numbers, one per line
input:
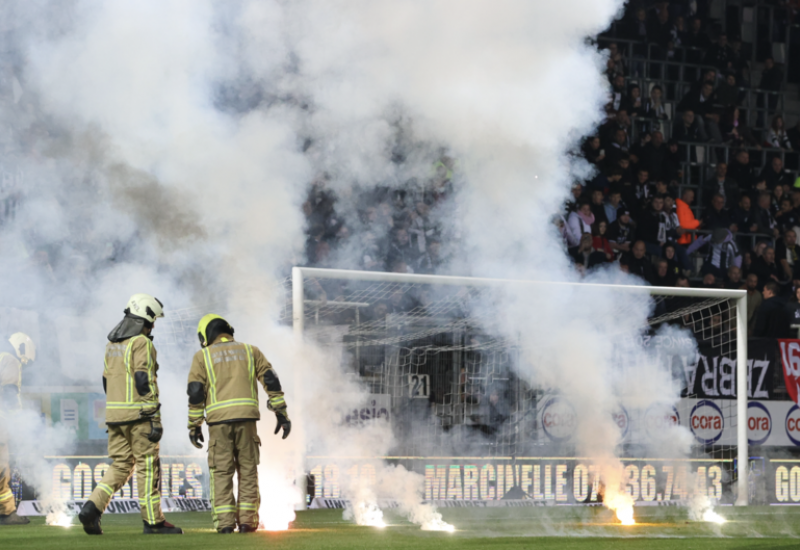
(223, 391)
(10, 386)
(133, 418)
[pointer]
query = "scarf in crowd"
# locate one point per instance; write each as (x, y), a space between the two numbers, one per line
(588, 220)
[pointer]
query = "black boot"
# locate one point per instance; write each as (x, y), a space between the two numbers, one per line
(225, 531)
(248, 528)
(13, 519)
(90, 518)
(163, 528)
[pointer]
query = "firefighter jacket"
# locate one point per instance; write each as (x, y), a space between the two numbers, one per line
(130, 381)
(10, 383)
(223, 383)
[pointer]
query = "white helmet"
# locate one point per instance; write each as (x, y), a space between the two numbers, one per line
(145, 306)
(24, 346)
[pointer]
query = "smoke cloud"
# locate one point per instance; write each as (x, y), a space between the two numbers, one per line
(167, 147)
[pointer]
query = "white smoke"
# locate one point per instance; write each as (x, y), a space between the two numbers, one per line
(210, 198)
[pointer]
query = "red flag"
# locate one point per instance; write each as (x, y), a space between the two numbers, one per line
(790, 357)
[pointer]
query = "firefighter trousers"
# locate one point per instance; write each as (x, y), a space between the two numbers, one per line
(128, 446)
(8, 504)
(234, 448)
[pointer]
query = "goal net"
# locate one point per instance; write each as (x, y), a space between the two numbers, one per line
(426, 351)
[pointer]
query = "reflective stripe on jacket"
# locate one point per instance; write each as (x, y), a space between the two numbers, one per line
(123, 360)
(229, 373)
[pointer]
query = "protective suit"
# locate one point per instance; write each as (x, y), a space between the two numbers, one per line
(10, 387)
(223, 392)
(130, 380)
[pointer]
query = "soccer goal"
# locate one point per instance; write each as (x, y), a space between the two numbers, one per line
(427, 351)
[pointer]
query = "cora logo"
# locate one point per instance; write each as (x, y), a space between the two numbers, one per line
(759, 423)
(622, 420)
(793, 424)
(706, 422)
(660, 418)
(559, 419)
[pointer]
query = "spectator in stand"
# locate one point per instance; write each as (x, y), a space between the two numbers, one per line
(696, 38)
(683, 281)
(722, 252)
(686, 219)
(401, 249)
(794, 307)
(766, 223)
(787, 254)
(652, 228)
(777, 137)
(672, 164)
(786, 218)
(773, 174)
(754, 298)
(717, 216)
(720, 55)
(734, 279)
(598, 207)
(577, 193)
(662, 276)
(638, 264)
(793, 134)
(734, 132)
(653, 155)
(612, 205)
(702, 105)
(620, 146)
(709, 281)
(634, 103)
(766, 268)
(688, 129)
(617, 94)
(741, 66)
(593, 152)
(620, 233)
(431, 261)
(654, 106)
(579, 223)
(584, 254)
(670, 255)
(772, 81)
(636, 28)
(659, 30)
(721, 184)
(743, 216)
(727, 93)
(600, 243)
(644, 189)
(741, 171)
(772, 318)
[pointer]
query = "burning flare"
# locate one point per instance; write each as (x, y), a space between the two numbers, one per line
(59, 519)
(368, 514)
(437, 524)
(622, 504)
(713, 517)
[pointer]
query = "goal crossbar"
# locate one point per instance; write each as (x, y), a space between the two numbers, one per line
(739, 297)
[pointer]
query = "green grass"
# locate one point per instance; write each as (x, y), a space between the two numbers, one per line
(493, 528)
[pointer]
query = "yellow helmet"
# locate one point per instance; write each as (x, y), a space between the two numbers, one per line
(202, 328)
(24, 346)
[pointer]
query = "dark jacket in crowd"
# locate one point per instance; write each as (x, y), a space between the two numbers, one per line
(772, 319)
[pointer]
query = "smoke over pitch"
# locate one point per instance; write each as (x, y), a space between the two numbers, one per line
(180, 128)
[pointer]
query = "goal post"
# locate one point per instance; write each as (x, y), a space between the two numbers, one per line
(736, 300)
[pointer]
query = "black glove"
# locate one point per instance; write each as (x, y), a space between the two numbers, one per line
(156, 431)
(284, 423)
(196, 437)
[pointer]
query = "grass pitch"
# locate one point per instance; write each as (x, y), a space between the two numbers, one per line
(493, 528)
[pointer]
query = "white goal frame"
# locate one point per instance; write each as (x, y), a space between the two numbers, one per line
(740, 297)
